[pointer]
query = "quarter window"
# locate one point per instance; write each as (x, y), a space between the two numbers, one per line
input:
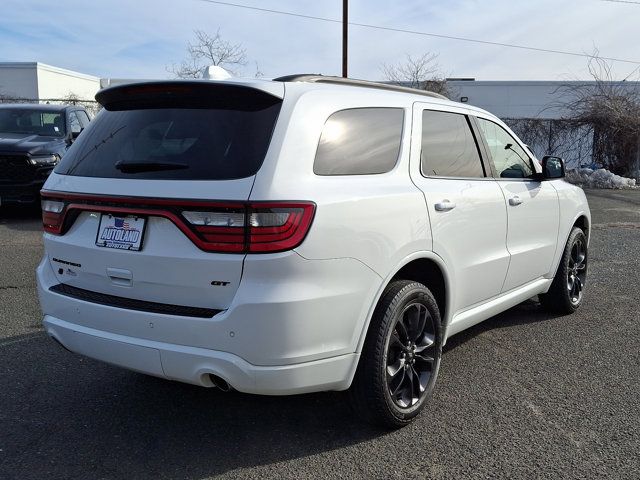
(509, 159)
(360, 141)
(448, 146)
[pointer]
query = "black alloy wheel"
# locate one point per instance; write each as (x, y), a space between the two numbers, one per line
(577, 271)
(411, 355)
(566, 293)
(400, 359)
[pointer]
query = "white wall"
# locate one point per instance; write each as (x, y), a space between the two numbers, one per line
(56, 82)
(18, 80)
(518, 99)
(33, 80)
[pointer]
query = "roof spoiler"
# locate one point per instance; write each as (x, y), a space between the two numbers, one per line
(185, 94)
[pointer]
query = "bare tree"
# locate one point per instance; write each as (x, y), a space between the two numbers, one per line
(421, 72)
(71, 98)
(258, 73)
(208, 50)
(610, 109)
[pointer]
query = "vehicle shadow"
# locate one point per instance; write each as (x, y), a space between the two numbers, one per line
(522, 314)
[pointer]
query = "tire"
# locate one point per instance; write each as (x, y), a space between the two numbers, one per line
(566, 292)
(401, 356)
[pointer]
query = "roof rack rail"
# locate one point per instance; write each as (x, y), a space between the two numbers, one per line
(314, 78)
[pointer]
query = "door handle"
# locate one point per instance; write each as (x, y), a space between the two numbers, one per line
(444, 206)
(515, 201)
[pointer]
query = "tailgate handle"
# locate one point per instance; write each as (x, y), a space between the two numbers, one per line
(120, 276)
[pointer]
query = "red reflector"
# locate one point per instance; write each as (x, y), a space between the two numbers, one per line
(52, 222)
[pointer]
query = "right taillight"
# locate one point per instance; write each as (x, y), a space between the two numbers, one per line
(276, 227)
(261, 227)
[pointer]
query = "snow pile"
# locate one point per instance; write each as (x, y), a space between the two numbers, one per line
(600, 178)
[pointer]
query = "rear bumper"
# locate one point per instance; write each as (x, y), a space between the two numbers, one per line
(194, 365)
(292, 327)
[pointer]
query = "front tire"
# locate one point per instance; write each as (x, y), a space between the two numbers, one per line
(566, 292)
(401, 356)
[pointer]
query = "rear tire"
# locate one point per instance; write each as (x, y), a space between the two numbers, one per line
(401, 356)
(566, 292)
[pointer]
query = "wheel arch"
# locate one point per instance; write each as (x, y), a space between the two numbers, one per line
(584, 224)
(581, 220)
(426, 268)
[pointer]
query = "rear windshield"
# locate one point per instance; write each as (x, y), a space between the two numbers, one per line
(222, 133)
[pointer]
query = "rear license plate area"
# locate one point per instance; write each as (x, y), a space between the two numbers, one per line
(121, 232)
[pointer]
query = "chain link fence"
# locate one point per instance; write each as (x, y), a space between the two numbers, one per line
(91, 106)
(562, 138)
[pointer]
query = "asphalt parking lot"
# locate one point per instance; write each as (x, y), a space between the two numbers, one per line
(522, 395)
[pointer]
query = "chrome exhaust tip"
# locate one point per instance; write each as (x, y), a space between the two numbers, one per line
(220, 383)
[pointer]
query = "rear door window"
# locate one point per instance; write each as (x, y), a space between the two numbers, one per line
(202, 132)
(449, 148)
(360, 141)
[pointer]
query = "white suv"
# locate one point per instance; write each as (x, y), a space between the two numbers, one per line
(303, 234)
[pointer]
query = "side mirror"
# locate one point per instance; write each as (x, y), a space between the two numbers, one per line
(74, 135)
(552, 167)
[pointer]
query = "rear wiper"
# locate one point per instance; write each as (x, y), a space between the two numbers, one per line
(136, 167)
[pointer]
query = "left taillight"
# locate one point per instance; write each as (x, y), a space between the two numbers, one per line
(52, 215)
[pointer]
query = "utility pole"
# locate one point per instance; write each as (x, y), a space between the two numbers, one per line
(345, 35)
(637, 165)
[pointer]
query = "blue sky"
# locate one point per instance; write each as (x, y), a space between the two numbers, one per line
(141, 38)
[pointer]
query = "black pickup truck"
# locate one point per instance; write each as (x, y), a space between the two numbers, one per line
(33, 138)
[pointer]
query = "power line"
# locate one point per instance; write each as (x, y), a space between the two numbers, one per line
(621, 1)
(425, 34)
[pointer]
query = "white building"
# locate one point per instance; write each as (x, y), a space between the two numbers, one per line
(38, 81)
(519, 99)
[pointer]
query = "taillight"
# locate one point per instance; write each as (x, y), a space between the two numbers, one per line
(257, 228)
(275, 227)
(223, 231)
(52, 216)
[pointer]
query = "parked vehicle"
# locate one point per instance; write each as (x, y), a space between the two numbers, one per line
(33, 139)
(304, 234)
